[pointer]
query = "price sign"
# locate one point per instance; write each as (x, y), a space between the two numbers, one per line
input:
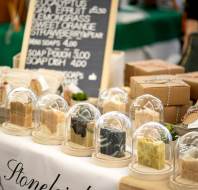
(74, 36)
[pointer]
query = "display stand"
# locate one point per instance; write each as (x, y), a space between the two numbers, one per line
(15, 130)
(130, 183)
(146, 173)
(182, 184)
(76, 150)
(37, 137)
(111, 162)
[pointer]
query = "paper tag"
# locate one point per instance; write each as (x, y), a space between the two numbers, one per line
(43, 83)
(193, 125)
(73, 88)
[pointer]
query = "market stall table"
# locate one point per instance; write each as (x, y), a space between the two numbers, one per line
(26, 165)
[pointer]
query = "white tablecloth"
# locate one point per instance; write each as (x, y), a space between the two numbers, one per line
(42, 165)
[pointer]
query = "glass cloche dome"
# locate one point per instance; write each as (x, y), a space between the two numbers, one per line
(80, 131)
(151, 152)
(144, 109)
(51, 112)
(112, 132)
(20, 104)
(185, 173)
(113, 99)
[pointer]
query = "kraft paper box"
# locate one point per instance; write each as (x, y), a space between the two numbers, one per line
(174, 114)
(192, 80)
(150, 67)
(168, 88)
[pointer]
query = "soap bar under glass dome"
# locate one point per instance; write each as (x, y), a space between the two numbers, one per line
(20, 106)
(112, 134)
(113, 99)
(152, 152)
(51, 112)
(146, 108)
(185, 173)
(82, 118)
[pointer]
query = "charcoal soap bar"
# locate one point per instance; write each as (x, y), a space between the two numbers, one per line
(112, 142)
(79, 126)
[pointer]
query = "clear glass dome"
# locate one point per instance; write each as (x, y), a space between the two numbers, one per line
(20, 104)
(113, 99)
(81, 121)
(185, 173)
(51, 112)
(112, 132)
(151, 152)
(144, 109)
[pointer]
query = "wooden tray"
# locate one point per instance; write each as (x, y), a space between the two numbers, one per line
(111, 162)
(41, 139)
(76, 150)
(130, 183)
(15, 130)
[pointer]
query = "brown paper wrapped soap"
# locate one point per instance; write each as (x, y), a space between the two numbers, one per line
(192, 80)
(168, 88)
(174, 114)
(150, 67)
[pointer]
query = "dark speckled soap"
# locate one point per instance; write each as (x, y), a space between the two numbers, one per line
(112, 142)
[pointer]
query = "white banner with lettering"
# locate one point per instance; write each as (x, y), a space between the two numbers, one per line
(25, 165)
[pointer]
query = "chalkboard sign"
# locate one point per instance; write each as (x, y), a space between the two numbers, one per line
(75, 36)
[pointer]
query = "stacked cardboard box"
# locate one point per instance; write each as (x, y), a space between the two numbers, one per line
(192, 80)
(173, 92)
(150, 67)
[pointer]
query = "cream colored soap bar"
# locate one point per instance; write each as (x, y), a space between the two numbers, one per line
(109, 106)
(21, 114)
(52, 120)
(151, 153)
(189, 167)
(145, 115)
